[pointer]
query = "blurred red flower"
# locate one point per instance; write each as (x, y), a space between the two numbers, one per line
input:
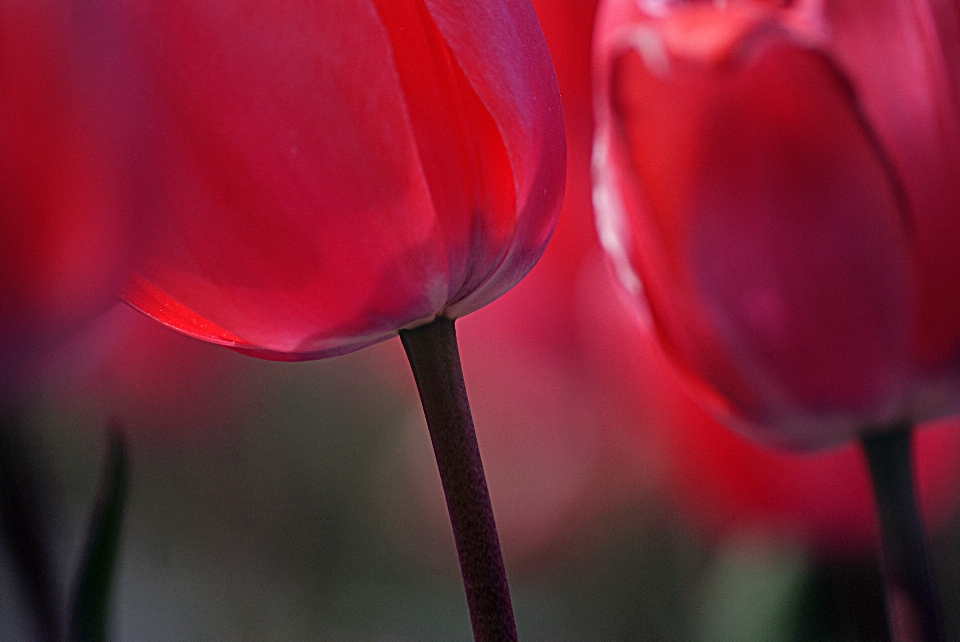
(784, 184)
(341, 170)
(68, 181)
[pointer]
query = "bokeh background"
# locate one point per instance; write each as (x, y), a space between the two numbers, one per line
(286, 502)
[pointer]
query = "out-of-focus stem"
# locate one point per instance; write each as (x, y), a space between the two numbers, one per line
(913, 608)
(20, 528)
(90, 608)
(435, 360)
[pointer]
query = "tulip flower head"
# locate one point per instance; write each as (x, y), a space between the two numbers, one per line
(342, 170)
(778, 188)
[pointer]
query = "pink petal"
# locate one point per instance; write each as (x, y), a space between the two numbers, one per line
(905, 65)
(518, 87)
(774, 253)
(340, 170)
(298, 217)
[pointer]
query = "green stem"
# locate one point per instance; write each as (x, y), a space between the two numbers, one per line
(435, 360)
(913, 608)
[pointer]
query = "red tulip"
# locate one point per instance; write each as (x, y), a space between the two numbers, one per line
(66, 180)
(341, 170)
(785, 184)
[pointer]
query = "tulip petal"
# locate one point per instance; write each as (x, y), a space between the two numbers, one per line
(779, 271)
(298, 219)
(460, 148)
(518, 87)
(913, 99)
(339, 170)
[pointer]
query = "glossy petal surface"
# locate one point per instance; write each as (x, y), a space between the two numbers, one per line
(321, 194)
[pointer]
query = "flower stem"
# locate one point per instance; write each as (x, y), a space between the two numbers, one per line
(20, 526)
(89, 617)
(435, 360)
(913, 608)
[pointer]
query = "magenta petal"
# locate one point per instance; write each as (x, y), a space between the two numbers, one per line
(905, 64)
(782, 272)
(339, 170)
(294, 194)
(518, 87)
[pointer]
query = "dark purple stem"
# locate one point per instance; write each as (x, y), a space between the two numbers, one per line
(435, 360)
(913, 608)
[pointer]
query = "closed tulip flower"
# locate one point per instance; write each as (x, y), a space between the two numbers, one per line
(341, 170)
(336, 173)
(784, 184)
(778, 187)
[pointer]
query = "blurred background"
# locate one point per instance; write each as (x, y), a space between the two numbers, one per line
(285, 502)
(273, 501)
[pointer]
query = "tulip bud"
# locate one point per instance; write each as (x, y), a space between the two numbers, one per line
(778, 188)
(338, 171)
